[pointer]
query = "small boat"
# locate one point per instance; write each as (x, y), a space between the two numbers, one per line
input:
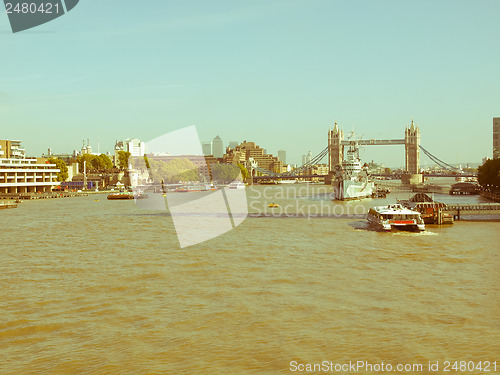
(236, 185)
(189, 189)
(209, 187)
(121, 195)
(8, 205)
(273, 205)
(395, 216)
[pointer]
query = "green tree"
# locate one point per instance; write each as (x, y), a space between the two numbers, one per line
(171, 171)
(123, 159)
(94, 163)
(62, 175)
(489, 174)
(244, 172)
(102, 162)
(87, 159)
(225, 173)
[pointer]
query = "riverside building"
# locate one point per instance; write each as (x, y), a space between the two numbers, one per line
(246, 150)
(21, 176)
(11, 149)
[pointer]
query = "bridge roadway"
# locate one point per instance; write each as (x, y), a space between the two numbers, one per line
(288, 177)
(367, 142)
(430, 175)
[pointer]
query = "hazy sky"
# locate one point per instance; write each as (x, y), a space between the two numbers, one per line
(277, 72)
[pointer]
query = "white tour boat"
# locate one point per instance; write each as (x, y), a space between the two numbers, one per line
(395, 216)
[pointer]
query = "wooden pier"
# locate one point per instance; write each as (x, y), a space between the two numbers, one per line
(472, 209)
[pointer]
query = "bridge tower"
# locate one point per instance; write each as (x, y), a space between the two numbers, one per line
(412, 173)
(335, 147)
(412, 149)
(335, 151)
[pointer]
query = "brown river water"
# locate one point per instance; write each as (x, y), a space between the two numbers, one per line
(102, 287)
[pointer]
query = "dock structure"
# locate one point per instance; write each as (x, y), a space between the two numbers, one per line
(30, 196)
(8, 205)
(472, 209)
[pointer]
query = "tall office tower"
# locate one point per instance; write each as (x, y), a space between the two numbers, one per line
(309, 157)
(135, 147)
(233, 144)
(496, 137)
(282, 156)
(206, 148)
(217, 147)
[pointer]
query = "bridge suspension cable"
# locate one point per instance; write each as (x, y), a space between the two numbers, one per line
(439, 162)
(315, 160)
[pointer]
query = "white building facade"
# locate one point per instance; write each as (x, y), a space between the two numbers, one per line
(11, 149)
(20, 176)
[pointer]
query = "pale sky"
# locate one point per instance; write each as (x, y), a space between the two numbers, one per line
(277, 72)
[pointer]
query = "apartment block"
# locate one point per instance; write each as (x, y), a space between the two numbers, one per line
(247, 150)
(11, 149)
(19, 176)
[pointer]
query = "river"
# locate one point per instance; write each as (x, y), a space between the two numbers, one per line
(102, 287)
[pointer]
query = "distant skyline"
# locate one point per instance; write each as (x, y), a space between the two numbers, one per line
(276, 72)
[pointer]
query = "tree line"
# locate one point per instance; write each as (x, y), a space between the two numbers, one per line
(183, 170)
(93, 164)
(171, 171)
(489, 174)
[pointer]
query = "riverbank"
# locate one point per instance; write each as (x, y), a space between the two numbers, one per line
(52, 195)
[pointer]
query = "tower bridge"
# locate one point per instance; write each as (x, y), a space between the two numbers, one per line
(336, 144)
(335, 153)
